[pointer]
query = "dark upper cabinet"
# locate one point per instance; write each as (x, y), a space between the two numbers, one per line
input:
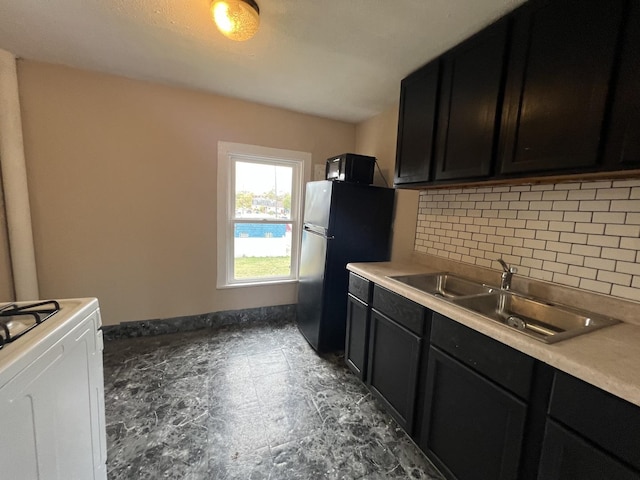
(623, 140)
(470, 105)
(560, 66)
(417, 124)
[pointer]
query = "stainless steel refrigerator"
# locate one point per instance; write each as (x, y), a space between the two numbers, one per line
(343, 223)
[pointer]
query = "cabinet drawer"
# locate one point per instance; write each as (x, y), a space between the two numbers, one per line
(360, 287)
(605, 419)
(509, 368)
(402, 310)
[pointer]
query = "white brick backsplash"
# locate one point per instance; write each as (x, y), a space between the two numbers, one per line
(627, 267)
(570, 259)
(543, 235)
(583, 272)
(535, 244)
(594, 205)
(559, 247)
(577, 216)
(536, 196)
(555, 195)
(562, 226)
(586, 250)
(633, 182)
(540, 205)
(533, 263)
(595, 286)
(625, 205)
(566, 279)
(590, 185)
(631, 243)
(580, 234)
(600, 263)
(626, 292)
(593, 228)
(613, 194)
(608, 217)
(580, 238)
(565, 206)
(603, 241)
(613, 277)
(537, 225)
(555, 216)
(633, 218)
(618, 254)
(538, 188)
(544, 255)
(528, 215)
(582, 195)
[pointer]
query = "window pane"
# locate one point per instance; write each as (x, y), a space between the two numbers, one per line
(261, 250)
(263, 191)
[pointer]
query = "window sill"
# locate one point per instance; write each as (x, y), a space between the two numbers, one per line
(256, 284)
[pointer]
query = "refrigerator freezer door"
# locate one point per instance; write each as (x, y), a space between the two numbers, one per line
(311, 285)
(317, 203)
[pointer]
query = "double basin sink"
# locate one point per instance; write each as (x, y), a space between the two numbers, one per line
(536, 318)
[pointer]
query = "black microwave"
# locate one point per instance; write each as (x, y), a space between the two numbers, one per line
(350, 167)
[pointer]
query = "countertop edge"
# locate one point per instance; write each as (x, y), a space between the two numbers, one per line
(608, 358)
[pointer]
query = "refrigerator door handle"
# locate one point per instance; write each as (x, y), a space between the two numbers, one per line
(318, 231)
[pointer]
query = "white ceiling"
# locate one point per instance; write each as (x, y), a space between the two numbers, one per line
(341, 59)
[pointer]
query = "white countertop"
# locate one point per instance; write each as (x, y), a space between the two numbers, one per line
(608, 358)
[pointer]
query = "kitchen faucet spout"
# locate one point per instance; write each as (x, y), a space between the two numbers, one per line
(507, 275)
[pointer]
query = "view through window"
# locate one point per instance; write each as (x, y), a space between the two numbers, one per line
(262, 218)
(259, 194)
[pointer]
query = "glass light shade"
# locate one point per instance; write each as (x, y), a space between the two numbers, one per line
(236, 19)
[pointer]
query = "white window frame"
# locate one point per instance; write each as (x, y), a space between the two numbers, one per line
(229, 152)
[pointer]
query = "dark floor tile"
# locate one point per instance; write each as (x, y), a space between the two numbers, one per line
(250, 401)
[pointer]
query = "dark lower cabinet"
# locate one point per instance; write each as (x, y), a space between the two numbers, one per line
(472, 429)
(566, 456)
(357, 334)
(394, 360)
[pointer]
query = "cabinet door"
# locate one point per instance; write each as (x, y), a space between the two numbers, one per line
(623, 141)
(394, 357)
(417, 124)
(558, 80)
(356, 343)
(470, 104)
(566, 456)
(472, 428)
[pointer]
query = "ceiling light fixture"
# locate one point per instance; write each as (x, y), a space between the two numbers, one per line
(236, 19)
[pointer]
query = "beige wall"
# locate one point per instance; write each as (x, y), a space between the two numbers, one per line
(377, 137)
(6, 276)
(122, 181)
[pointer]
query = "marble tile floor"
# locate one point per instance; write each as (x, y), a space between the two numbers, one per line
(245, 402)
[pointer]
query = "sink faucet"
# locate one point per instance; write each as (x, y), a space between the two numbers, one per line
(507, 274)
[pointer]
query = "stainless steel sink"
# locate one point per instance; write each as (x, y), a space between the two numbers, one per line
(443, 284)
(543, 321)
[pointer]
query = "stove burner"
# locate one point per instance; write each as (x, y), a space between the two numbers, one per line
(16, 320)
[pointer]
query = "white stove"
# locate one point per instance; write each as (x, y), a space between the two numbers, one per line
(52, 391)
